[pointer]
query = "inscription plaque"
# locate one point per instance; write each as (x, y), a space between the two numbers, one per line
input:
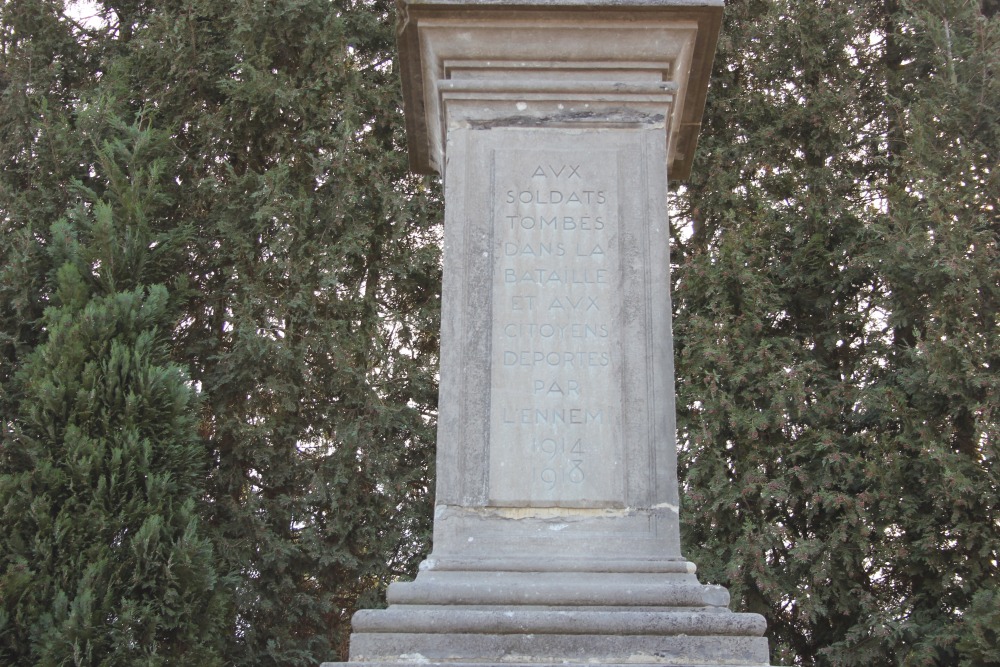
(555, 379)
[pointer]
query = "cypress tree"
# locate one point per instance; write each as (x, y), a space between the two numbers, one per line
(43, 69)
(102, 558)
(302, 273)
(312, 316)
(837, 330)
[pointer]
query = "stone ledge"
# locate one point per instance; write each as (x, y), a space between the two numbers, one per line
(487, 663)
(555, 648)
(591, 589)
(566, 563)
(400, 618)
(637, 37)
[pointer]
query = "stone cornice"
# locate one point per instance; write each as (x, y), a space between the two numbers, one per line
(555, 61)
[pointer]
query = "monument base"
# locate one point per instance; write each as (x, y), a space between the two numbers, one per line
(417, 661)
(423, 662)
(544, 618)
(452, 649)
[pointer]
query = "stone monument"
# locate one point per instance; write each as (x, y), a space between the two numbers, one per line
(555, 125)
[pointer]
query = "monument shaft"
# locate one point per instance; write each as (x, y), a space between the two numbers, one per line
(556, 429)
(556, 535)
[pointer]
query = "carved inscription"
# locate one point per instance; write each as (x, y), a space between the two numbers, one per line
(556, 360)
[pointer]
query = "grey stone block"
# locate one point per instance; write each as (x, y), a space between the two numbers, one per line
(553, 648)
(420, 660)
(460, 620)
(557, 589)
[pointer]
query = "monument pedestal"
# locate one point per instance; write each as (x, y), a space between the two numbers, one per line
(558, 617)
(556, 536)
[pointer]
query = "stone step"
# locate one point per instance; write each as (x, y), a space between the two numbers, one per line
(590, 649)
(622, 589)
(404, 619)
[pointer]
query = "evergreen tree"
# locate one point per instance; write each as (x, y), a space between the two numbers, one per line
(837, 329)
(311, 323)
(102, 560)
(303, 275)
(43, 70)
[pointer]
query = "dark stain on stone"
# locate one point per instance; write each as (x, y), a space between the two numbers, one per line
(616, 116)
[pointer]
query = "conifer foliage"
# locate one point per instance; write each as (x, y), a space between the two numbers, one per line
(207, 217)
(104, 558)
(838, 329)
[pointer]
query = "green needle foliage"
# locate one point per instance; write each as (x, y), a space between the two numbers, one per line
(103, 560)
(838, 329)
(259, 144)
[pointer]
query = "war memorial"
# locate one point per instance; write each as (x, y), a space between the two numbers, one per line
(556, 127)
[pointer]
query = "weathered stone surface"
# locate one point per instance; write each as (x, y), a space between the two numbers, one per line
(620, 589)
(562, 620)
(555, 425)
(577, 41)
(556, 535)
(424, 662)
(549, 648)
